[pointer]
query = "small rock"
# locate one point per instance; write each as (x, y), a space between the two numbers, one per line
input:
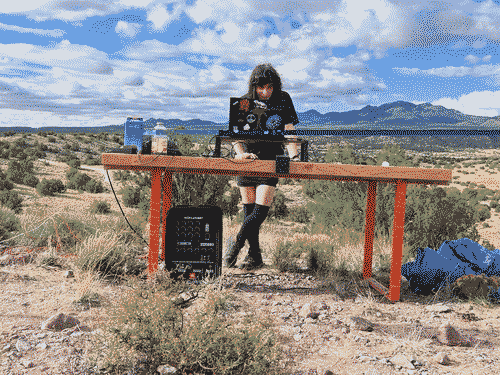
(60, 321)
(166, 369)
(41, 335)
(306, 310)
(360, 324)
(41, 346)
(297, 337)
(438, 308)
(401, 360)
(313, 315)
(449, 336)
(442, 359)
(69, 274)
(27, 363)
(22, 346)
(6, 348)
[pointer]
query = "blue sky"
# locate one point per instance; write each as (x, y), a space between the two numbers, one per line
(95, 62)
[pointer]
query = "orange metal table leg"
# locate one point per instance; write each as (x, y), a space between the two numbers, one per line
(154, 224)
(397, 240)
(369, 228)
(167, 203)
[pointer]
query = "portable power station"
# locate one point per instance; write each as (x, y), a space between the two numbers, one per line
(193, 242)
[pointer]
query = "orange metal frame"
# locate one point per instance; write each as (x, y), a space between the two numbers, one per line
(165, 165)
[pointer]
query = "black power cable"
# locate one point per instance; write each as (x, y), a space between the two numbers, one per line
(122, 210)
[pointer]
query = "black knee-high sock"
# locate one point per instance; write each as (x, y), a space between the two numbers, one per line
(250, 228)
(247, 210)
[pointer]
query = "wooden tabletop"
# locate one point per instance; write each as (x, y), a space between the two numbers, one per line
(266, 168)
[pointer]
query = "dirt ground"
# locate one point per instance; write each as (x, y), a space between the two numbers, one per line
(407, 327)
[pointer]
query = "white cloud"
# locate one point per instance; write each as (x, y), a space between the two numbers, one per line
(159, 17)
(57, 33)
(127, 30)
(471, 59)
(479, 103)
(483, 70)
(274, 41)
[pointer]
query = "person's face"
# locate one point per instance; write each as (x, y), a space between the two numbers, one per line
(264, 92)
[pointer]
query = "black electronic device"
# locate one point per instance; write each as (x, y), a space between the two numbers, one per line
(282, 164)
(252, 117)
(193, 242)
(128, 149)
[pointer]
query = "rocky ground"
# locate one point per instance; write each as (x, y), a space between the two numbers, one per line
(342, 327)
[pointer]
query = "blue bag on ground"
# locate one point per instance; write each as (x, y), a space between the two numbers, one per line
(428, 271)
(480, 259)
(433, 269)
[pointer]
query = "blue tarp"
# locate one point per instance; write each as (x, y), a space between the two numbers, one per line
(433, 269)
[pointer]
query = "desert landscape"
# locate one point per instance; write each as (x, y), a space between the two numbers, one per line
(322, 324)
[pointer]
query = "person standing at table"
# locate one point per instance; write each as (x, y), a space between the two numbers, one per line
(257, 192)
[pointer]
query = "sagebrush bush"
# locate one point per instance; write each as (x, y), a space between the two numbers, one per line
(94, 187)
(299, 214)
(100, 207)
(11, 199)
(50, 187)
(9, 223)
(31, 181)
(78, 181)
(74, 163)
(18, 170)
(149, 326)
(4, 183)
(278, 209)
(106, 254)
(131, 196)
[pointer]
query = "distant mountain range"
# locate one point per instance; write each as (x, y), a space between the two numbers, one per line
(394, 115)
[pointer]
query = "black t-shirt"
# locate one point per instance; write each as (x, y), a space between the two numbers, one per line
(284, 105)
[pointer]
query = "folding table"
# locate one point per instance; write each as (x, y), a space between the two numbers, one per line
(400, 176)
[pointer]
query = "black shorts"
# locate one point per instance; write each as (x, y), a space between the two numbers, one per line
(254, 181)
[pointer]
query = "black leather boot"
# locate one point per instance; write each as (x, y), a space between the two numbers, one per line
(231, 254)
(252, 261)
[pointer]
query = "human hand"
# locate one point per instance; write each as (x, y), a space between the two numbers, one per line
(245, 156)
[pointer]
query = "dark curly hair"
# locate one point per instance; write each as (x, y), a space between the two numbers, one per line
(262, 75)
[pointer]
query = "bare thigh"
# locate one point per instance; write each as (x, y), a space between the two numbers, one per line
(247, 194)
(263, 195)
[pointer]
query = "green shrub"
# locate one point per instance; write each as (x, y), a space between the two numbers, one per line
(50, 187)
(17, 170)
(92, 161)
(51, 139)
(8, 223)
(300, 214)
(71, 173)
(74, 163)
(131, 196)
(30, 180)
(279, 209)
(78, 181)
(11, 199)
(105, 254)
(432, 215)
(230, 203)
(5, 184)
(94, 187)
(75, 147)
(100, 207)
(148, 325)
